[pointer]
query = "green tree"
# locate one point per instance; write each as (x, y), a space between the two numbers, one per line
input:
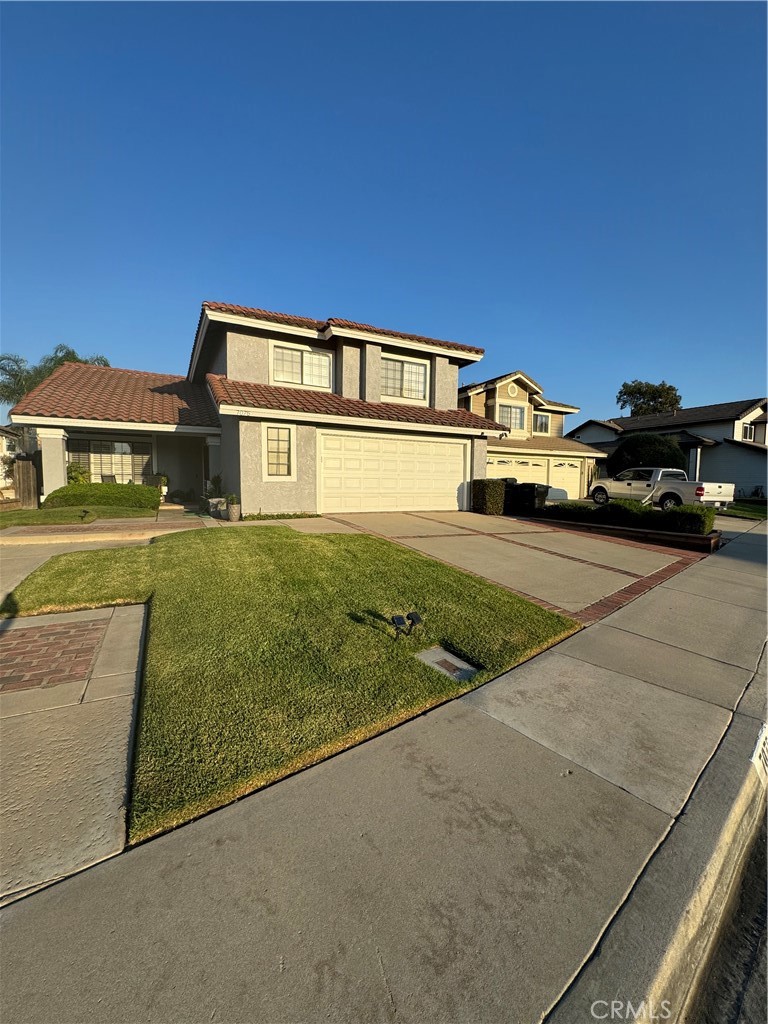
(643, 398)
(645, 450)
(18, 377)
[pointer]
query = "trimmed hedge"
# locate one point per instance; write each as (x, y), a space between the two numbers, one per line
(698, 519)
(115, 495)
(488, 497)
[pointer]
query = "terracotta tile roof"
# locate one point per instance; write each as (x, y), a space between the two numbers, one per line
(546, 444)
(271, 396)
(81, 391)
(320, 325)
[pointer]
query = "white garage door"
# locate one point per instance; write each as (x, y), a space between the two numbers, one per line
(533, 470)
(565, 475)
(373, 473)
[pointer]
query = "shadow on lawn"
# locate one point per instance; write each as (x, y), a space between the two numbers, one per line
(374, 620)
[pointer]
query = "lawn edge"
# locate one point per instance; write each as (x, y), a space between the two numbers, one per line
(262, 781)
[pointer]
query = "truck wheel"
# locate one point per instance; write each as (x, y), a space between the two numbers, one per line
(599, 495)
(669, 501)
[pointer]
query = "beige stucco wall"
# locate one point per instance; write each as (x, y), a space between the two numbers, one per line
(444, 383)
(259, 495)
(371, 383)
(247, 358)
(349, 362)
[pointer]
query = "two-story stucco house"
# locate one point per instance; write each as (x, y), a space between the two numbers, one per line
(724, 442)
(295, 414)
(533, 449)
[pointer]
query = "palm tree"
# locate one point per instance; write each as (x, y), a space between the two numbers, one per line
(18, 377)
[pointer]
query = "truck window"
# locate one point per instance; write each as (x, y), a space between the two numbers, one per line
(673, 474)
(643, 474)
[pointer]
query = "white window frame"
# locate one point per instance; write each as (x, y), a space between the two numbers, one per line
(398, 399)
(314, 350)
(265, 474)
(748, 428)
(510, 405)
(549, 422)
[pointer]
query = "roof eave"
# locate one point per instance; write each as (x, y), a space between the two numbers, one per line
(361, 422)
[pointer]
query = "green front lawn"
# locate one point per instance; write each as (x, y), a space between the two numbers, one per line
(269, 650)
(59, 516)
(752, 508)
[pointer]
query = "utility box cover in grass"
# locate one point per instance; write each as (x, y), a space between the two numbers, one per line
(447, 663)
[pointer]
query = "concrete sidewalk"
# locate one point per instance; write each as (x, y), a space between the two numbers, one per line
(68, 684)
(462, 868)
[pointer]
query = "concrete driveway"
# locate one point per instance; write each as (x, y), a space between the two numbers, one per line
(562, 569)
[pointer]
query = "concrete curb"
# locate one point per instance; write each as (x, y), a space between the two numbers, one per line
(656, 949)
(78, 538)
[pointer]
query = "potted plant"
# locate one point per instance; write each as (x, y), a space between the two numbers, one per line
(163, 484)
(233, 508)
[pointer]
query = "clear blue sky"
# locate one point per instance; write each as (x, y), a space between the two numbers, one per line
(579, 188)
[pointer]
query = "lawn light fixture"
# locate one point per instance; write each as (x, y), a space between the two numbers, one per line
(414, 619)
(398, 621)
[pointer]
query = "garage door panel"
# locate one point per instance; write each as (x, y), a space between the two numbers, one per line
(391, 474)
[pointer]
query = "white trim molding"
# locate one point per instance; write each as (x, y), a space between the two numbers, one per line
(42, 422)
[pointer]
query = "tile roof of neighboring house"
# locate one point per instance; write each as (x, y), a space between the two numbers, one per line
(79, 391)
(761, 419)
(320, 325)
(553, 444)
(322, 403)
(495, 380)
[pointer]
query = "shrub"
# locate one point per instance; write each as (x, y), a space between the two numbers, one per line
(646, 450)
(697, 519)
(488, 497)
(77, 474)
(689, 519)
(115, 495)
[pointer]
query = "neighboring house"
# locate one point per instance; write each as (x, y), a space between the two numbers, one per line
(724, 442)
(10, 441)
(295, 414)
(533, 449)
(10, 444)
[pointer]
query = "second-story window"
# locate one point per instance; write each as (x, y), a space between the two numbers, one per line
(747, 432)
(541, 423)
(512, 416)
(403, 379)
(301, 366)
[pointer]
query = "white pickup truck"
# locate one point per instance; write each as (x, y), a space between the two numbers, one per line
(666, 488)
